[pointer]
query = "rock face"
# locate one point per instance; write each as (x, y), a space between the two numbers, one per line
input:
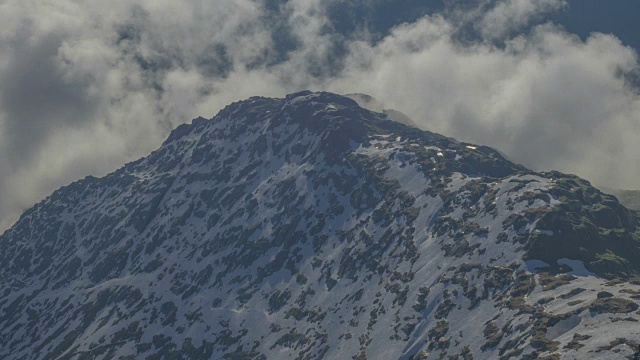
(309, 227)
(629, 198)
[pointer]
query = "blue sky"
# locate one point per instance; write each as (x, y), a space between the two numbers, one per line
(618, 17)
(582, 17)
(86, 86)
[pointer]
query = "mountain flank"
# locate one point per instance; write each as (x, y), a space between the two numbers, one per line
(308, 227)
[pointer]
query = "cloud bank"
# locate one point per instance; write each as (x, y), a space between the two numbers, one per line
(86, 87)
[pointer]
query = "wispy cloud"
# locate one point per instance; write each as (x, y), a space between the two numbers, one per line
(507, 17)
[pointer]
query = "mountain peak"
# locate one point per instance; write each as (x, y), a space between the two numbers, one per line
(310, 226)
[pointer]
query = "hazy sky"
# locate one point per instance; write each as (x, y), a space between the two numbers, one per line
(86, 86)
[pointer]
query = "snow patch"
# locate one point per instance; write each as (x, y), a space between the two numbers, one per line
(563, 326)
(577, 266)
(535, 264)
(300, 98)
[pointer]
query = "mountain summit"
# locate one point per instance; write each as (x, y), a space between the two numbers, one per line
(309, 227)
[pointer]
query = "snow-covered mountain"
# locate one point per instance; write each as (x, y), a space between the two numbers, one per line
(309, 227)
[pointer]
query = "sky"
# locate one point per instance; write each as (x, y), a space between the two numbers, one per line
(87, 86)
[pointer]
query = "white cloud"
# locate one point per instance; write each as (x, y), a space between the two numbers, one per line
(547, 99)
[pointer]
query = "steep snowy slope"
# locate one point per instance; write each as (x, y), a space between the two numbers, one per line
(308, 227)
